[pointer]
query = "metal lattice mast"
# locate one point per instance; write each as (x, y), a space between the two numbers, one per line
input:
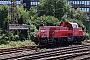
(13, 11)
(21, 2)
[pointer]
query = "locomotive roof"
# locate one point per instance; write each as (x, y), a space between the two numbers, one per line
(73, 23)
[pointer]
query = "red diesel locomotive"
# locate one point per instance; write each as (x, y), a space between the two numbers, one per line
(66, 33)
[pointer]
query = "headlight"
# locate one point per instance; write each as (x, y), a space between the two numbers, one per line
(42, 31)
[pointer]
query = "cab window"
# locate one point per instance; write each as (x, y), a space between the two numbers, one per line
(74, 25)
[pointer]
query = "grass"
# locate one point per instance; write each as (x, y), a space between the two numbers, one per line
(86, 41)
(43, 49)
(13, 44)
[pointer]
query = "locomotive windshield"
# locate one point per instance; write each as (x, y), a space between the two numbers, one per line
(74, 25)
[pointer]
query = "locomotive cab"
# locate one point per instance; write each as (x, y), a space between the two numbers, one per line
(69, 24)
(77, 34)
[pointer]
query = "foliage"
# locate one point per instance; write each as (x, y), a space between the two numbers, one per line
(12, 44)
(80, 17)
(55, 8)
(74, 21)
(22, 13)
(32, 12)
(77, 15)
(9, 36)
(3, 38)
(12, 36)
(46, 20)
(33, 31)
(3, 16)
(32, 15)
(2, 41)
(23, 18)
(87, 35)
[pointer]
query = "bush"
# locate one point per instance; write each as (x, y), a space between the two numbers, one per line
(33, 31)
(3, 41)
(46, 20)
(87, 35)
(12, 44)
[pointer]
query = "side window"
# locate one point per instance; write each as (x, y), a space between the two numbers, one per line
(75, 26)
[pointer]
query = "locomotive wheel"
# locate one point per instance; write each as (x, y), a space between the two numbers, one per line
(51, 42)
(78, 43)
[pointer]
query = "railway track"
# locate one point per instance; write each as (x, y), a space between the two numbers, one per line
(79, 52)
(17, 49)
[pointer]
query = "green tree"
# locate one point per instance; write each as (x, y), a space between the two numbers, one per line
(32, 14)
(55, 8)
(83, 17)
(23, 14)
(32, 11)
(3, 16)
(77, 15)
(74, 21)
(72, 18)
(46, 20)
